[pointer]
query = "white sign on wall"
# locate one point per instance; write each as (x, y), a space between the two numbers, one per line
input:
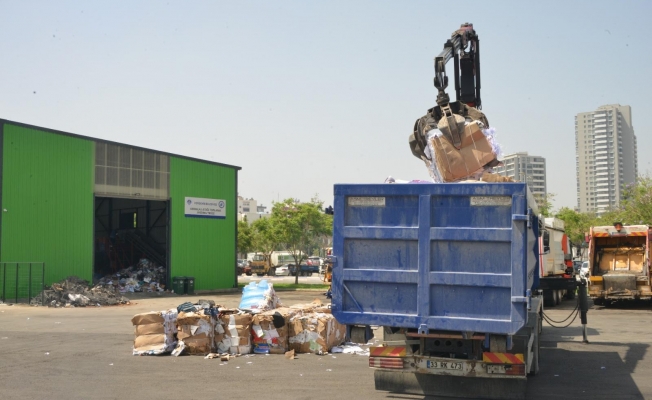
(205, 208)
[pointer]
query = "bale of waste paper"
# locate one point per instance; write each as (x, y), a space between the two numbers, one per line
(475, 152)
(154, 332)
(196, 330)
(270, 330)
(315, 332)
(233, 332)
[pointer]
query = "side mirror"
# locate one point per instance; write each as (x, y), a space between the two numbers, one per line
(546, 242)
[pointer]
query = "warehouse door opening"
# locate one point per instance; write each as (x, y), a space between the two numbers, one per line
(132, 240)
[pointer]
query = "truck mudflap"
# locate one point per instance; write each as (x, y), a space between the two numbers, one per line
(449, 386)
(493, 365)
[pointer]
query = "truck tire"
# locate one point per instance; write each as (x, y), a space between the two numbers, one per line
(248, 273)
(272, 272)
(260, 274)
(309, 273)
(598, 302)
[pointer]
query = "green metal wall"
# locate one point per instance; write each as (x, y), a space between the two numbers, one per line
(47, 190)
(203, 247)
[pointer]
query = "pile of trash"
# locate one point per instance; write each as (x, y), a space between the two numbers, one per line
(76, 292)
(145, 276)
(265, 327)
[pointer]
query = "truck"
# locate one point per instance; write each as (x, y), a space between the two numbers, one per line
(619, 263)
(557, 275)
(450, 271)
(263, 264)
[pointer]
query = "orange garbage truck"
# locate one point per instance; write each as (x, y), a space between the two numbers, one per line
(619, 263)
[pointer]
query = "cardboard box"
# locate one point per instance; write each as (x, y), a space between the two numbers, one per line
(475, 152)
(315, 333)
(154, 332)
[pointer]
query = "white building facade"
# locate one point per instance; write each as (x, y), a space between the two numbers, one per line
(250, 210)
(523, 167)
(606, 157)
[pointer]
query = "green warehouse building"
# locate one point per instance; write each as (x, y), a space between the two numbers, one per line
(88, 207)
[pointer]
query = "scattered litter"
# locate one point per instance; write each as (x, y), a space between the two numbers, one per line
(57, 322)
(289, 355)
(556, 375)
(603, 367)
(111, 364)
(4, 338)
(225, 357)
(350, 349)
(329, 370)
(334, 357)
(249, 362)
(210, 356)
(47, 353)
(237, 367)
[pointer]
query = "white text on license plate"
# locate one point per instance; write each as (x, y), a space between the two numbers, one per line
(445, 365)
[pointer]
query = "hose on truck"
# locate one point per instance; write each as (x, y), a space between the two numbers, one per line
(574, 313)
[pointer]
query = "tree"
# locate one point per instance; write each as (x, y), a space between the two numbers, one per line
(265, 237)
(636, 205)
(245, 237)
(576, 224)
(545, 205)
(299, 226)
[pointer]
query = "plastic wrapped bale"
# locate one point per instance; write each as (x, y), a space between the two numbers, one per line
(315, 332)
(259, 296)
(196, 330)
(233, 332)
(270, 330)
(154, 332)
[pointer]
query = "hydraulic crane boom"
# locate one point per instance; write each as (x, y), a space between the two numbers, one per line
(464, 48)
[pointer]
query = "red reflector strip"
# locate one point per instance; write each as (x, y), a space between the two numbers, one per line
(387, 351)
(502, 358)
(382, 362)
(518, 369)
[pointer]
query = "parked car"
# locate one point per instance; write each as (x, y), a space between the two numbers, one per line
(242, 266)
(283, 270)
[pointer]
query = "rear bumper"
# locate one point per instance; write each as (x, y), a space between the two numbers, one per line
(450, 367)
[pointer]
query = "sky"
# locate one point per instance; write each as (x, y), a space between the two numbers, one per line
(303, 95)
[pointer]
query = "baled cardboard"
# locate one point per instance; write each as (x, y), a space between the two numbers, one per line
(147, 318)
(475, 152)
(267, 328)
(315, 333)
(149, 329)
(148, 341)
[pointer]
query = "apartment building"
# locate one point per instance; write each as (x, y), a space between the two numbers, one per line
(526, 168)
(605, 157)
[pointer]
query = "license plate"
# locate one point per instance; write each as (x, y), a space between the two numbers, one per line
(445, 365)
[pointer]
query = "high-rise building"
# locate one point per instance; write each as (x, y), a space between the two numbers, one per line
(526, 168)
(605, 157)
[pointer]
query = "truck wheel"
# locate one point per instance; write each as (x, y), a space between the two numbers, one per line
(272, 272)
(260, 274)
(598, 302)
(248, 273)
(309, 273)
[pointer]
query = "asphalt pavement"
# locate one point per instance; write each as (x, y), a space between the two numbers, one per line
(85, 353)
